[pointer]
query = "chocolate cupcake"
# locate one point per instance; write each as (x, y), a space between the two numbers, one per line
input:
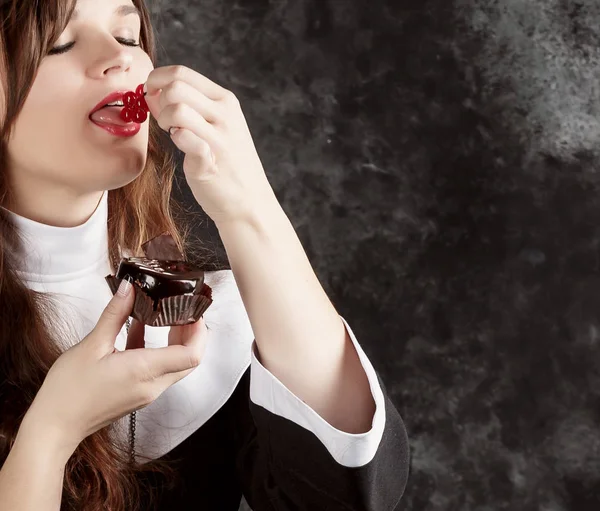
(169, 291)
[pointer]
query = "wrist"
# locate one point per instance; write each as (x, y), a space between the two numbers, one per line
(258, 217)
(46, 438)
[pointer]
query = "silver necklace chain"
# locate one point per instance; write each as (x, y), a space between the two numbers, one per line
(132, 415)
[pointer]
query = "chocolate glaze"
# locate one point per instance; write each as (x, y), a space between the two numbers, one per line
(169, 290)
(159, 279)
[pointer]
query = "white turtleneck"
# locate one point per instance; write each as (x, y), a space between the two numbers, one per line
(71, 264)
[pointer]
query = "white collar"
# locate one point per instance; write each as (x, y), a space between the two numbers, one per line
(56, 253)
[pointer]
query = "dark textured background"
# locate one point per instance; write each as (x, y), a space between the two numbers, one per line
(439, 160)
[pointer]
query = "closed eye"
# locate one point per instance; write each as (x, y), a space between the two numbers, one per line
(66, 47)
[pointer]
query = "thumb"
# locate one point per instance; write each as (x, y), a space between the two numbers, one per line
(116, 312)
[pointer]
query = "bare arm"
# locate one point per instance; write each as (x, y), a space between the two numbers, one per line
(31, 478)
(300, 336)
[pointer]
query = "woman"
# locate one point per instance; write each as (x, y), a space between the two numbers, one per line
(269, 395)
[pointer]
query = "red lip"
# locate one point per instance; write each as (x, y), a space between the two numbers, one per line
(113, 96)
(130, 130)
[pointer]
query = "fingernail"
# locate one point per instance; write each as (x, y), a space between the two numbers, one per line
(145, 88)
(125, 286)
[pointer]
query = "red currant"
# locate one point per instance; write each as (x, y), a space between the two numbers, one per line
(135, 107)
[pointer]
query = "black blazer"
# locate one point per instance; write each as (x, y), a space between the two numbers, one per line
(278, 465)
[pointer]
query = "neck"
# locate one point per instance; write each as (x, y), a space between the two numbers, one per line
(55, 207)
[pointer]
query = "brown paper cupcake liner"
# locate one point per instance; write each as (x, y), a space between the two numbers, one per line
(168, 311)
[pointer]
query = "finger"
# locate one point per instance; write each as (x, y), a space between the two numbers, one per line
(135, 336)
(182, 92)
(184, 116)
(188, 335)
(172, 360)
(162, 76)
(208, 109)
(199, 162)
(113, 317)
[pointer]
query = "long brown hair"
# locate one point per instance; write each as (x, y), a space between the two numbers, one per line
(98, 475)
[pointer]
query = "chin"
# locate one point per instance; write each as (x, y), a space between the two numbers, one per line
(123, 177)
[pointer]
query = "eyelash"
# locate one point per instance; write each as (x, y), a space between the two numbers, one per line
(65, 48)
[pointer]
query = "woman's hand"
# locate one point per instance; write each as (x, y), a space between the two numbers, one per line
(221, 164)
(91, 385)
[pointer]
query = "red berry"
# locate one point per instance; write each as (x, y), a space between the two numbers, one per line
(126, 115)
(135, 107)
(139, 116)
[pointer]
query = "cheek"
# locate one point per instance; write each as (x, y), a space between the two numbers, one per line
(52, 110)
(44, 145)
(48, 120)
(54, 86)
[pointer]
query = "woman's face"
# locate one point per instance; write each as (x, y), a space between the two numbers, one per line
(54, 145)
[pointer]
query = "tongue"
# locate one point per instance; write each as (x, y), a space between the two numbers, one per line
(109, 115)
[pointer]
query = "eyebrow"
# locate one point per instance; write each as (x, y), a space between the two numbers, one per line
(121, 11)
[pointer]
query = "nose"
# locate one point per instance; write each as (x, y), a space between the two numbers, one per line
(110, 56)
